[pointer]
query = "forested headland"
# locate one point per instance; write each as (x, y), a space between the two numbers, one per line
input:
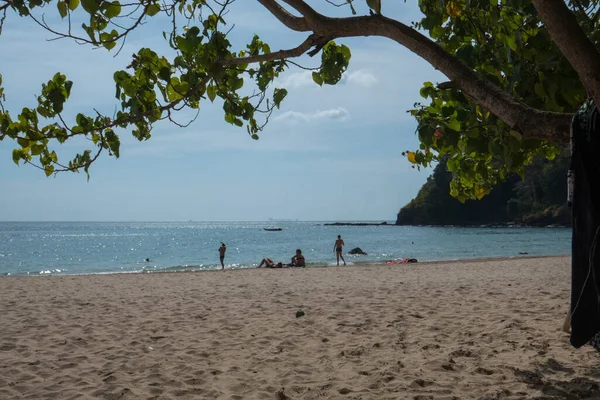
(538, 199)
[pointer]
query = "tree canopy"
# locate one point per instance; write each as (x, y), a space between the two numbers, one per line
(517, 69)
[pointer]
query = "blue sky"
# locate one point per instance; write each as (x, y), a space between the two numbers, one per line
(329, 153)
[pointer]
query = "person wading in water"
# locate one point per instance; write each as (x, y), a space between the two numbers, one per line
(222, 251)
(338, 247)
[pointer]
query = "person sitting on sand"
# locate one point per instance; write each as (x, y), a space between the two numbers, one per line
(298, 259)
(268, 263)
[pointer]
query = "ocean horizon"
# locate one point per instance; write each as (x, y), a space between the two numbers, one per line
(37, 248)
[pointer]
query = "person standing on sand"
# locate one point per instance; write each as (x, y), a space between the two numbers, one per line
(338, 247)
(222, 251)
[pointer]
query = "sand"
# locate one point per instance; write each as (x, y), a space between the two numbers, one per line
(461, 330)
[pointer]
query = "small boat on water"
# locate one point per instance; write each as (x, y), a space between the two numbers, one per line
(272, 229)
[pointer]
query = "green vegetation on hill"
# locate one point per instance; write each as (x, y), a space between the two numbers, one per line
(538, 199)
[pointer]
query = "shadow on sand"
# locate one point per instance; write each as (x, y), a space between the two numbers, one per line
(551, 378)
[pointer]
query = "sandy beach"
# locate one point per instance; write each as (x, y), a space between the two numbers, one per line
(486, 329)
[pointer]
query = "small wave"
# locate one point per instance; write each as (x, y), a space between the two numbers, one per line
(209, 267)
(48, 271)
(176, 268)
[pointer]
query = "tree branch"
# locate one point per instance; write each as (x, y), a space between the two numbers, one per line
(307, 11)
(312, 40)
(291, 21)
(530, 122)
(572, 42)
(446, 85)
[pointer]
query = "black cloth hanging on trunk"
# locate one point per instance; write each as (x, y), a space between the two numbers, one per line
(585, 263)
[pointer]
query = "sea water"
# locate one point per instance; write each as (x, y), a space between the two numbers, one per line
(53, 248)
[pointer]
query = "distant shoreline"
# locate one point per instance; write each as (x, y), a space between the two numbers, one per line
(496, 225)
(321, 222)
(356, 223)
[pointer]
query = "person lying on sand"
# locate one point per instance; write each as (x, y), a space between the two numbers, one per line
(268, 263)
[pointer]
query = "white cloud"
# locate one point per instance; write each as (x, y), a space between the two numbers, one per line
(302, 79)
(334, 114)
(360, 78)
(296, 80)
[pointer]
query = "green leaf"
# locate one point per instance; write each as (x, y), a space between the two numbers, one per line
(238, 84)
(512, 44)
(182, 88)
(49, 169)
(37, 149)
(113, 142)
(480, 192)
(107, 40)
(317, 78)
(176, 89)
(165, 74)
(91, 6)
(375, 5)
(453, 165)
(453, 124)
(427, 90)
(334, 62)
(62, 8)
(278, 96)
(153, 9)
(345, 51)
(16, 155)
(82, 120)
(109, 45)
(73, 4)
(211, 91)
(184, 44)
(24, 143)
(112, 9)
